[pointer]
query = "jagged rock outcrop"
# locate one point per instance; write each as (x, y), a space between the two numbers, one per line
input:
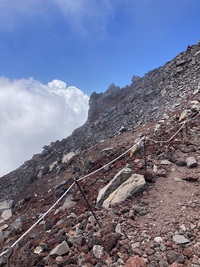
(100, 102)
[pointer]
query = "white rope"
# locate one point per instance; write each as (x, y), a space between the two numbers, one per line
(167, 141)
(42, 217)
(86, 176)
(106, 165)
(38, 221)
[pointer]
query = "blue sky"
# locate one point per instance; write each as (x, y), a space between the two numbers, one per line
(92, 43)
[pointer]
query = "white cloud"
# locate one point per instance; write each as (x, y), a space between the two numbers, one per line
(12, 11)
(33, 114)
(84, 16)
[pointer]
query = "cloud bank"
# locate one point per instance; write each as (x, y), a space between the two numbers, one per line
(33, 114)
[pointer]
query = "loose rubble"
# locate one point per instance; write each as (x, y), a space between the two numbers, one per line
(158, 226)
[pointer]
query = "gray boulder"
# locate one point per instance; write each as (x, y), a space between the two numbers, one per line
(191, 162)
(119, 178)
(124, 185)
(180, 239)
(60, 249)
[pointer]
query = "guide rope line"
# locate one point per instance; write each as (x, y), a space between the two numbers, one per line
(39, 220)
(184, 123)
(172, 137)
(106, 165)
(42, 217)
(6, 250)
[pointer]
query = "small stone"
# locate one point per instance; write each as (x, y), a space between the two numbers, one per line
(98, 251)
(6, 214)
(135, 245)
(188, 253)
(68, 203)
(173, 256)
(176, 264)
(149, 251)
(118, 229)
(182, 227)
(165, 162)
(190, 179)
(180, 239)
(59, 259)
(3, 227)
(191, 162)
(135, 261)
(16, 227)
(183, 115)
(158, 239)
(110, 241)
(131, 214)
(38, 250)
(140, 210)
(60, 249)
(192, 226)
(177, 179)
(181, 163)
(162, 247)
(6, 204)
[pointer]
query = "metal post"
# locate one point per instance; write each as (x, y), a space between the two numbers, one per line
(88, 204)
(181, 134)
(145, 158)
(8, 253)
(186, 128)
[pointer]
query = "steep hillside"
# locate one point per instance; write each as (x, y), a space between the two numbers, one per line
(159, 226)
(145, 100)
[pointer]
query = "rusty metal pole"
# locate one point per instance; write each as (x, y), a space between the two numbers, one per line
(186, 129)
(88, 204)
(145, 157)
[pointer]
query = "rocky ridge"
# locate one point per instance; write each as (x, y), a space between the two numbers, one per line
(160, 226)
(115, 111)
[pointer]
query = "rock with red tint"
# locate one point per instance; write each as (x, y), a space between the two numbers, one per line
(188, 253)
(108, 228)
(175, 264)
(135, 261)
(110, 241)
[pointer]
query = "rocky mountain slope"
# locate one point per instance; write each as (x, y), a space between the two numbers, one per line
(158, 227)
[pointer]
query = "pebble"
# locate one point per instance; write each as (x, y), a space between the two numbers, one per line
(158, 239)
(180, 239)
(98, 251)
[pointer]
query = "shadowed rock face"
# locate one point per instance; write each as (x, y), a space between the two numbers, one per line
(98, 103)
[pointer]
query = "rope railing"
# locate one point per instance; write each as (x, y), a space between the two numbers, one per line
(47, 212)
(108, 164)
(39, 220)
(174, 135)
(144, 138)
(170, 139)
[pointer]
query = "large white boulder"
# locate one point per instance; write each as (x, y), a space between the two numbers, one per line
(125, 184)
